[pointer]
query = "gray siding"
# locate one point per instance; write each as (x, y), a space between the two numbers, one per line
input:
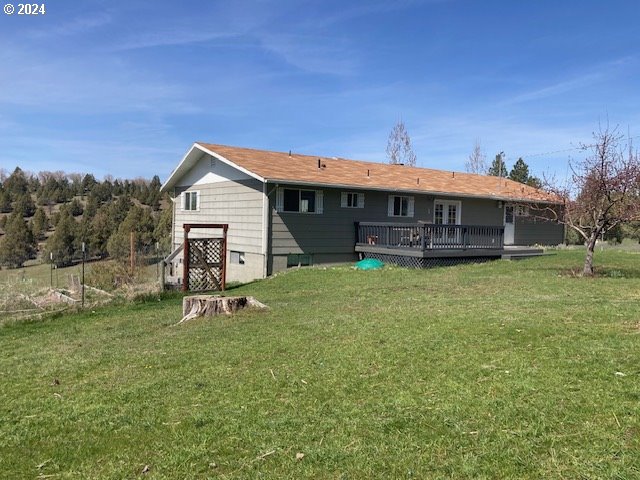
(537, 231)
(333, 231)
(330, 237)
(478, 211)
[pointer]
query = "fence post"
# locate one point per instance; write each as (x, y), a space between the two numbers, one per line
(132, 251)
(83, 260)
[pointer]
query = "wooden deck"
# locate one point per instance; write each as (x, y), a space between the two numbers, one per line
(417, 244)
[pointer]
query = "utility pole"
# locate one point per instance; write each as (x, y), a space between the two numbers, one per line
(51, 267)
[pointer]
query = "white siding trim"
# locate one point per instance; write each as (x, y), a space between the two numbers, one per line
(229, 162)
(410, 205)
(265, 227)
(279, 199)
(344, 199)
(319, 202)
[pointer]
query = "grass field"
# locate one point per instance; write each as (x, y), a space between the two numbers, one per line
(500, 370)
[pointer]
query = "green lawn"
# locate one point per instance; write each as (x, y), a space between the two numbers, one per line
(500, 370)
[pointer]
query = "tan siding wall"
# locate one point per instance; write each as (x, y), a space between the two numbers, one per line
(236, 203)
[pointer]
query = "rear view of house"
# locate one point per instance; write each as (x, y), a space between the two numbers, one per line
(287, 209)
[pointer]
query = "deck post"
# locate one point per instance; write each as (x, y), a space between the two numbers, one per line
(185, 259)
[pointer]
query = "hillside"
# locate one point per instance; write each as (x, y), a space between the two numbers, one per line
(50, 215)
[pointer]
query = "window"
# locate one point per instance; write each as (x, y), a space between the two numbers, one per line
(298, 260)
(446, 212)
(522, 211)
(352, 200)
(237, 257)
(190, 201)
(301, 201)
(400, 206)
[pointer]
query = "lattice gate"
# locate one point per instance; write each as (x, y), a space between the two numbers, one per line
(204, 259)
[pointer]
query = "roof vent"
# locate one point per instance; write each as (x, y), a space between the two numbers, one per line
(289, 152)
(321, 165)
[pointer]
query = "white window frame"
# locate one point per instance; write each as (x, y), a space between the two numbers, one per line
(183, 200)
(410, 206)
(521, 210)
(445, 204)
(319, 201)
(345, 196)
(236, 257)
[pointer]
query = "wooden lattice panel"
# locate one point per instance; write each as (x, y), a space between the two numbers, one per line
(416, 262)
(206, 263)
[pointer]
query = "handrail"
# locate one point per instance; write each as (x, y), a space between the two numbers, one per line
(427, 236)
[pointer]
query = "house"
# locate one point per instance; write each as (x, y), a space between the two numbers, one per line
(287, 209)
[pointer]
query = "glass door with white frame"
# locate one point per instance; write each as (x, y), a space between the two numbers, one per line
(509, 225)
(446, 213)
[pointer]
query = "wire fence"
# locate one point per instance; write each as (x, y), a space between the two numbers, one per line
(89, 279)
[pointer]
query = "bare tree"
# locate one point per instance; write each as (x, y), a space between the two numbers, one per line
(477, 162)
(603, 190)
(399, 150)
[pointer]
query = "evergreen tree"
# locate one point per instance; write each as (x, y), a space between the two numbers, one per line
(17, 245)
(498, 168)
(162, 231)
(39, 224)
(62, 243)
(101, 191)
(140, 222)
(534, 182)
(99, 231)
(88, 183)
(5, 201)
(75, 207)
(24, 203)
(519, 172)
(91, 208)
(16, 184)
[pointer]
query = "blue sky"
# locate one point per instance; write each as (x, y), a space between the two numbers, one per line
(124, 88)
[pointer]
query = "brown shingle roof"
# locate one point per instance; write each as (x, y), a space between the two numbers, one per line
(296, 168)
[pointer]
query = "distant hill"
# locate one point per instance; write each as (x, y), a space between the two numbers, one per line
(49, 215)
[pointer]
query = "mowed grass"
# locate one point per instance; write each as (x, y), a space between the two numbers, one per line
(500, 370)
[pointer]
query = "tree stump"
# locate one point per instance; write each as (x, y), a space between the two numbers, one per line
(208, 305)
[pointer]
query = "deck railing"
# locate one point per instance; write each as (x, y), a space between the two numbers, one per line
(430, 236)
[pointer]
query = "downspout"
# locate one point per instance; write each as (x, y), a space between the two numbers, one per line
(266, 211)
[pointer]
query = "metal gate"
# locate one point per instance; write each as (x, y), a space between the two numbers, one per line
(204, 259)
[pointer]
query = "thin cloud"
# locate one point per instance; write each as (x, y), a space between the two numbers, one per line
(77, 26)
(558, 88)
(312, 54)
